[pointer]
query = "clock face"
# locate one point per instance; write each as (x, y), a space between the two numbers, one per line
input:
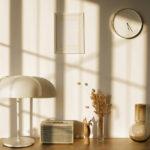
(127, 23)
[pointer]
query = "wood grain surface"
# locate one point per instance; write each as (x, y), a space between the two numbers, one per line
(108, 144)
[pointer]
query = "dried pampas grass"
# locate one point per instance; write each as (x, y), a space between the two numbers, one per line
(87, 107)
(99, 103)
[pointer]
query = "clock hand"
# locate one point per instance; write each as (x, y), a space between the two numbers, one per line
(129, 28)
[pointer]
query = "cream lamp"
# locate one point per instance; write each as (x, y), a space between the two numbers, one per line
(19, 87)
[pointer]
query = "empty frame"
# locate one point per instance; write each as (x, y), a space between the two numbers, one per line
(69, 33)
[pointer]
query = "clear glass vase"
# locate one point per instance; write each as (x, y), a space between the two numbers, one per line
(139, 131)
(100, 129)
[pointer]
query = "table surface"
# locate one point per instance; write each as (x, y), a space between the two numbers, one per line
(108, 144)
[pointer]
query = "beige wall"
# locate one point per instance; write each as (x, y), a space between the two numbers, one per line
(116, 66)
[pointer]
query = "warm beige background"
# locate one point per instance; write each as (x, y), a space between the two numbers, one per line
(117, 66)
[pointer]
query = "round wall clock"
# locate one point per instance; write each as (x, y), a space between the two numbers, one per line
(127, 23)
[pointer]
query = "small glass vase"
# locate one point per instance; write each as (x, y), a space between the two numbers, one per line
(100, 129)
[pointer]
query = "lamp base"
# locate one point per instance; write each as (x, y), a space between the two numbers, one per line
(24, 142)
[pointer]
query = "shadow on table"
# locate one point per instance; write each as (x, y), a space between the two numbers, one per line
(78, 129)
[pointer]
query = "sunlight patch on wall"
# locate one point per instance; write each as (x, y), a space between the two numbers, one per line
(46, 69)
(71, 59)
(73, 6)
(47, 108)
(79, 94)
(118, 110)
(138, 58)
(46, 28)
(26, 124)
(26, 116)
(36, 108)
(36, 118)
(4, 61)
(29, 65)
(5, 22)
(92, 62)
(92, 80)
(26, 104)
(36, 126)
(5, 64)
(43, 108)
(119, 60)
(72, 99)
(5, 123)
(29, 25)
(5, 102)
(92, 28)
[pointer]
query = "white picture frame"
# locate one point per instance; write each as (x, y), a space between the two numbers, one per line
(69, 33)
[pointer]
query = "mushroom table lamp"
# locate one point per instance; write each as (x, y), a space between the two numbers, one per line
(19, 87)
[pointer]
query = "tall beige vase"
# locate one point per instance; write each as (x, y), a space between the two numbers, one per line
(139, 131)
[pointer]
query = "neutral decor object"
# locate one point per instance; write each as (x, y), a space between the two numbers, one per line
(57, 132)
(19, 87)
(99, 103)
(139, 131)
(87, 131)
(69, 33)
(127, 23)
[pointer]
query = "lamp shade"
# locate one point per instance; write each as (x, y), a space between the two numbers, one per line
(20, 87)
(48, 89)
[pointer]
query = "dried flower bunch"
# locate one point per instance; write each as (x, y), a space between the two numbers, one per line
(87, 107)
(99, 103)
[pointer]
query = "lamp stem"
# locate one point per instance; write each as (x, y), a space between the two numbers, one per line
(18, 125)
(31, 118)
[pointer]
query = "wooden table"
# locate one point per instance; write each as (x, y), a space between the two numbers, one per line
(108, 144)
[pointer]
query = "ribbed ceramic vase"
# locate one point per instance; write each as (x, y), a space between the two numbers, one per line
(139, 131)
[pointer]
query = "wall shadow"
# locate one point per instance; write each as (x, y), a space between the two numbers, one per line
(94, 127)
(59, 74)
(105, 55)
(107, 117)
(15, 57)
(148, 72)
(78, 129)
